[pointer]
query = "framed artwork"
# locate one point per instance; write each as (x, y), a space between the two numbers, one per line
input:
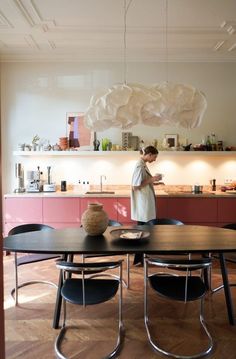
(172, 140)
(78, 135)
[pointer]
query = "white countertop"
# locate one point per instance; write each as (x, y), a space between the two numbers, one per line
(118, 193)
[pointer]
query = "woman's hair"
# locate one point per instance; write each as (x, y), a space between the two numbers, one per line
(149, 149)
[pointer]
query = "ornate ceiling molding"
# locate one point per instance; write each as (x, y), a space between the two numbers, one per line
(32, 15)
(4, 22)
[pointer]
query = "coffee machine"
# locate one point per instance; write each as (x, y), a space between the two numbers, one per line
(19, 173)
(34, 182)
(49, 186)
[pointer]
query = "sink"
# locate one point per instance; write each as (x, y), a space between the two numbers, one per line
(100, 192)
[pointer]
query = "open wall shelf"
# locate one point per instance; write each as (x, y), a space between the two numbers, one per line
(122, 153)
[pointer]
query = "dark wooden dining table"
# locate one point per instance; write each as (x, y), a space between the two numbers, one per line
(160, 240)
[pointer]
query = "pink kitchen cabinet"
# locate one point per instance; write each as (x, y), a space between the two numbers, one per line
(226, 210)
(193, 210)
(23, 210)
(124, 210)
(61, 212)
(109, 205)
(162, 207)
(20, 211)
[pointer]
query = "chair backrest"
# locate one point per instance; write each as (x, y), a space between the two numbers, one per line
(114, 223)
(29, 227)
(163, 221)
(230, 226)
(87, 268)
(191, 264)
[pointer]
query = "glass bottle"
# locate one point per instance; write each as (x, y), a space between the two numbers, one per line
(208, 144)
(213, 142)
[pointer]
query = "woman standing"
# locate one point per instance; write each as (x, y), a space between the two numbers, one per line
(143, 200)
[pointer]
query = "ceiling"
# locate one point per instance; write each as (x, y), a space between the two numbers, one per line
(93, 30)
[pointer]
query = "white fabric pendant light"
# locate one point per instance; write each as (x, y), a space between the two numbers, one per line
(126, 105)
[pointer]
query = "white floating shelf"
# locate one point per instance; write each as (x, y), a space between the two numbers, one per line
(121, 153)
(73, 153)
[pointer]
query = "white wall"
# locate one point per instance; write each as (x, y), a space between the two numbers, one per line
(36, 96)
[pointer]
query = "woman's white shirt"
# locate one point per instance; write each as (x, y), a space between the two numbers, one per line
(143, 202)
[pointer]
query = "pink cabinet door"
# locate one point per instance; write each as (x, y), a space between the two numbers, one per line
(227, 210)
(109, 205)
(193, 210)
(23, 210)
(161, 207)
(124, 210)
(61, 210)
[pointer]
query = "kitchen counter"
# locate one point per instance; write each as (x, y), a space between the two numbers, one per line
(121, 193)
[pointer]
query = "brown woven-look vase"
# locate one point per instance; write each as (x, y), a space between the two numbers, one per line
(94, 220)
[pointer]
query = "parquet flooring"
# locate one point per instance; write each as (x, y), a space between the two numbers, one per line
(29, 332)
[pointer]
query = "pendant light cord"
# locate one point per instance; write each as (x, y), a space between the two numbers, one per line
(126, 8)
(166, 40)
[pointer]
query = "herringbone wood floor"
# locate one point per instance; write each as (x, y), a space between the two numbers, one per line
(29, 333)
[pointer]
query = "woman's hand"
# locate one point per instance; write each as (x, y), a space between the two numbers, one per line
(157, 177)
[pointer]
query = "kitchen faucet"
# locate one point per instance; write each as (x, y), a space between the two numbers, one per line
(101, 177)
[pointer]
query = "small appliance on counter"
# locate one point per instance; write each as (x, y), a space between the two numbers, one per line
(49, 186)
(197, 189)
(34, 182)
(19, 173)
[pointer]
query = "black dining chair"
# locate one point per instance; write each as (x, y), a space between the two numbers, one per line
(114, 223)
(89, 287)
(29, 258)
(163, 221)
(229, 257)
(157, 221)
(184, 288)
(169, 221)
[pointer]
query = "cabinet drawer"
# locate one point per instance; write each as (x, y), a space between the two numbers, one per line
(23, 210)
(65, 210)
(124, 210)
(227, 210)
(109, 205)
(193, 210)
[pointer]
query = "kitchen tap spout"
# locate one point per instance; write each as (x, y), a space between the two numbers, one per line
(101, 184)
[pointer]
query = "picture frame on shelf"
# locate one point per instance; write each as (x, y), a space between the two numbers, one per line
(79, 136)
(171, 140)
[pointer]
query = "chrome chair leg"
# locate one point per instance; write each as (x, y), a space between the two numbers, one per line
(16, 281)
(154, 345)
(15, 290)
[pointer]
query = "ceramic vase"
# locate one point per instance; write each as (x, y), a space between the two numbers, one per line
(94, 220)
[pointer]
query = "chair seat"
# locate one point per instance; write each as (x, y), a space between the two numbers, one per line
(33, 258)
(174, 287)
(96, 290)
